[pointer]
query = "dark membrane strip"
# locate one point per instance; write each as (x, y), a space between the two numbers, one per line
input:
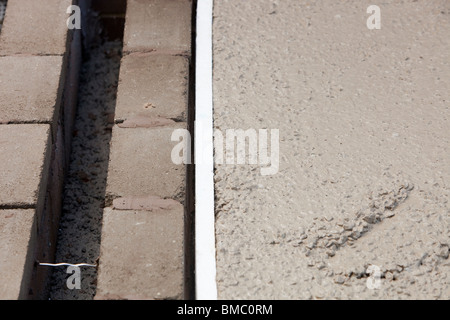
(3, 4)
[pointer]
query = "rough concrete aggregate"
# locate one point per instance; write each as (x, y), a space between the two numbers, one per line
(364, 149)
(84, 192)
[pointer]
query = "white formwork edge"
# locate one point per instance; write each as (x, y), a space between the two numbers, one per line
(205, 246)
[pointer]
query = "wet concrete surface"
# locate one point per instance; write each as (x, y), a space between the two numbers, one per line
(359, 208)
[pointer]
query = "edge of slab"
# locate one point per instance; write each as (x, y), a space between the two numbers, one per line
(205, 246)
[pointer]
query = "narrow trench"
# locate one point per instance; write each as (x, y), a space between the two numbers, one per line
(189, 228)
(79, 233)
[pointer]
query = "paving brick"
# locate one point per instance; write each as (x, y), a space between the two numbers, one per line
(141, 254)
(153, 85)
(30, 88)
(24, 164)
(35, 27)
(140, 163)
(15, 233)
(158, 25)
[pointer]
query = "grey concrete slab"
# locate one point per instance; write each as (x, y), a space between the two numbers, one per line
(30, 87)
(141, 254)
(364, 150)
(140, 163)
(158, 25)
(15, 233)
(35, 27)
(24, 164)
(154, 86)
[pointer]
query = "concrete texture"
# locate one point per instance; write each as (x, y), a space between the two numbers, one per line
(140, 164)
(83, 196)
(35, 27)
(158, 25)
(15, 232)
(24, 164)
(34, 61)
(30, 87)
(153, 86)
(142, 254)
(364, 149)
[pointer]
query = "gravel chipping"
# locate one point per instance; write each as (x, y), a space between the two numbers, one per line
(84, 193)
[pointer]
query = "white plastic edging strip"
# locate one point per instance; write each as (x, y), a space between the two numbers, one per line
(205, 244)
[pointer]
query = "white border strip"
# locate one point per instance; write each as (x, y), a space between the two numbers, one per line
(205, 244)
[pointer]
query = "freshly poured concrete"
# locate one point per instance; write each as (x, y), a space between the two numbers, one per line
(364, 150)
